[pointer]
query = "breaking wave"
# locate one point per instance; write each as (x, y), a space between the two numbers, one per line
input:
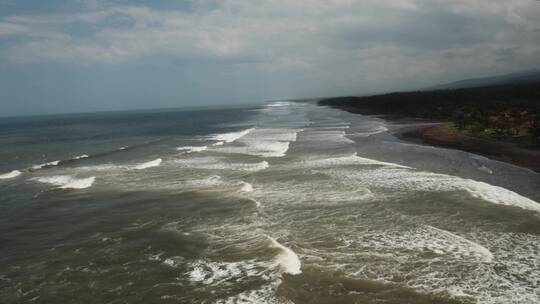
(150, 164)
(191, 149)
(45, 165)
(67, 181)
(402, 178)
(11, 174)
(246, 187)
(232, 136)
(287, 260)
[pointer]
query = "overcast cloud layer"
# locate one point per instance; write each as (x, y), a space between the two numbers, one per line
(97, 55)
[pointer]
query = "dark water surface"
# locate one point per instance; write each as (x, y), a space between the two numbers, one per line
(283, 203)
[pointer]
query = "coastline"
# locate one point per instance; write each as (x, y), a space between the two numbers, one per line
(440, 135)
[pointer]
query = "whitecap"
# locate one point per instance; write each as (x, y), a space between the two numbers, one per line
(287, 260)
(402, 178)
(353, 159)
(465, 246)
(11, 174)
(67, 181)
(213, 163)
(191, 149)
(213, 273)
(246, 187)
(232, 136)
(264, 142)
(48, 164)
(80, 157)
(150, 164)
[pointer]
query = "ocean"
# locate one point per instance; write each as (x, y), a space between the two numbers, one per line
(286, 202)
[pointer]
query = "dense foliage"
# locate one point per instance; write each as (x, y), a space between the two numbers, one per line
(510, 112)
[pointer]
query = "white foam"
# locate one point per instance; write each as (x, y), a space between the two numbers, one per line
(213, 273)
(67, 181)
(210, 181)
(279, 104)
(103, 167)
(233, 136)
(378, 129)
(80, 157)
(498, 195)
(264, 142)
(287, 260)
(11, 174)
(214, 163)
(257, 203)
(49, 164)
(353, 159)
(485, 169)
(246, 187)
(479, 251)
(328, 136)
(191, 149)
(150, 164)
(402, 178)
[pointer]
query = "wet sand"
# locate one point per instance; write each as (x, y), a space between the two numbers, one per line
(442, 136)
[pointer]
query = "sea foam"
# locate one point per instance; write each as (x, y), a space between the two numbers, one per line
(45, 165)
(287, 260)
(150, 164)
(11, 174)
(246, 187)
(67, 181)
(232, 136)
(393, 176)
(191, 149)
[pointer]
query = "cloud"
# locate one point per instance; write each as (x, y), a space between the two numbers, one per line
(318, 39)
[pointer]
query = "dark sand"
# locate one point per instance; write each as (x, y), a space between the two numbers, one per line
(441, 135)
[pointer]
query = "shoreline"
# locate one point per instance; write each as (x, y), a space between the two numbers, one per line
(439, 135)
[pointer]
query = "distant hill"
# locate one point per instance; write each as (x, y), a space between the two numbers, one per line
(525, 77)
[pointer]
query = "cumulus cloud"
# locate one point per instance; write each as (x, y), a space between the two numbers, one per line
(321, 40)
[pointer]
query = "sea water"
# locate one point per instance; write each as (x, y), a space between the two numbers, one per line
(287, 202)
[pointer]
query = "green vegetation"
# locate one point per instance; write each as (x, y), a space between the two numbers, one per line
(505, 112)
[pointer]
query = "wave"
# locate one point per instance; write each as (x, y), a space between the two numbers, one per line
(67, 181)
(213, 163)
(214, 273)
(210, 181)
(231, 137)
(11, 174)
(102, 167)
(191, 149)
(80, 157)
(246, 187)
(257, 203)
(380, 129)
(45, 165)
(287, 260)
(465, 247)
(402, 178)
(353, 159)
(150, 164)
(278, 104)
(265, 143)
(333, 136)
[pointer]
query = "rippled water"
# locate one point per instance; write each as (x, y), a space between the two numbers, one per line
(284, 203)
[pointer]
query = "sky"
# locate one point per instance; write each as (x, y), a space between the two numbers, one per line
(96, 55)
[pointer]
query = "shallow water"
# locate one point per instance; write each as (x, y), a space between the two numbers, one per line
(283, 203)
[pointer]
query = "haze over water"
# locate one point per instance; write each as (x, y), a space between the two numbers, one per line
(283, 203)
